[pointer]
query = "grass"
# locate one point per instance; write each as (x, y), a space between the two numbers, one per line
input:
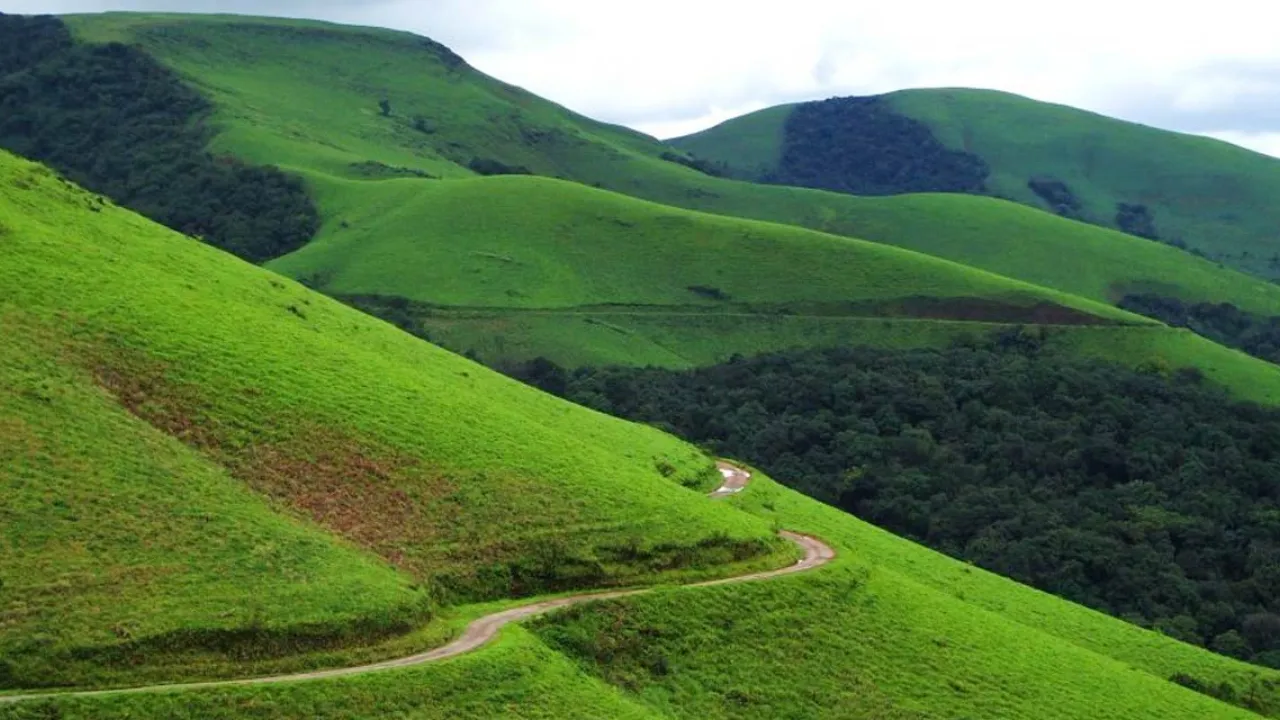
(291, 421)
(681, 341)
(304, 95)
(672, 340)
(180, 404)
(516, 677)
(528, 242)
(1212, 195)
(891, 631)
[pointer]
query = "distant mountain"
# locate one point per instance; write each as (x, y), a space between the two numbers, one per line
(1206, 196)
(309, 98)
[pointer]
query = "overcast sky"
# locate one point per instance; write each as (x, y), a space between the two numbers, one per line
(669, 67)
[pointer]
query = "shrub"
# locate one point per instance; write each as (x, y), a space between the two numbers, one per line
(489, 166)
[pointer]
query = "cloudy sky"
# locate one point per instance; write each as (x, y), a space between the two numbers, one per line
(668, 67)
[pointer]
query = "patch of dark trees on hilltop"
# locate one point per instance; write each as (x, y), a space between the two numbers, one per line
(1223, 323)
(112, 119)
(1136, 220)
(860, 145)
(1058, 196)
(693, 162)
(1146, 494)
(490, 166)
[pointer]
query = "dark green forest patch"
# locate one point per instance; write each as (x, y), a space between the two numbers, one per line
(976, 309)
(859, 145)
(1151, 496)
(114, 120)
(1136, 220)
(1058, 196)
(1223, 323)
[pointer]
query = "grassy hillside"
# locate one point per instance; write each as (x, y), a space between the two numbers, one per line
(890, 630)
(526, 242)
(517, 267)
(306, 96)
(1211, 195)
(203, 457)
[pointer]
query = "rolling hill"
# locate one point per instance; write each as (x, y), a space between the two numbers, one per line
(213, 471)
(305, 96)
(518, 267)
(1209, 195)
(205, 463)
(385, 180)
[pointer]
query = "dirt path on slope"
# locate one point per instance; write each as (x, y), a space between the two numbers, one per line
(482, 630)
(735, 479)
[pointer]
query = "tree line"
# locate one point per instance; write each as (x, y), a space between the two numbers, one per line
(114, 120)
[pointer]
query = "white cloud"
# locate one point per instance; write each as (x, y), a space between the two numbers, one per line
(1267, 143)
(674, 66)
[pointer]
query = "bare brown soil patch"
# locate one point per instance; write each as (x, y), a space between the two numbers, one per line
(371, 495)
(994, 311)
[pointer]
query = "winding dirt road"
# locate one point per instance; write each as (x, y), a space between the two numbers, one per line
(482, 630)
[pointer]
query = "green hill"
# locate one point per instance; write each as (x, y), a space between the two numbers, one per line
(306, 96)
(1211, 196)
(535, 243)
(890, 630)
(207, 463)
(209, 470)
(588, 290)
(519, 267)
(212, 471)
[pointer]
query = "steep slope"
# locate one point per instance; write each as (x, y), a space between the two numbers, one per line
(1208, 195)
(306, 96)
(892, 631)
(888, 630)
(205, 462)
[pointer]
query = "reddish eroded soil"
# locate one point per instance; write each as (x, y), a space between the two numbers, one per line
(994, 311)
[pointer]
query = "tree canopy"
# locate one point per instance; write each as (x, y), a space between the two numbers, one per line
(860, 145)
(1154, 498)
(114, 120)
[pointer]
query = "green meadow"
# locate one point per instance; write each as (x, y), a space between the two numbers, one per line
(204, 456)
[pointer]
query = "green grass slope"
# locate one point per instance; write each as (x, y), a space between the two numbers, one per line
(749, 146)
(328, 117)
(527, 242)
(519, 267)
(1212, 195)
(687, 340)
(201, 456)
(305, 96)
(889, 630)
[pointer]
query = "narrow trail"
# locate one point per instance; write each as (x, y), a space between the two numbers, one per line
(482, 630)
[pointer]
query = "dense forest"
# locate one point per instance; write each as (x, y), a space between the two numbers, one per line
(114, 120)
(859, 145)
(1148, 495)
(1223, 323)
